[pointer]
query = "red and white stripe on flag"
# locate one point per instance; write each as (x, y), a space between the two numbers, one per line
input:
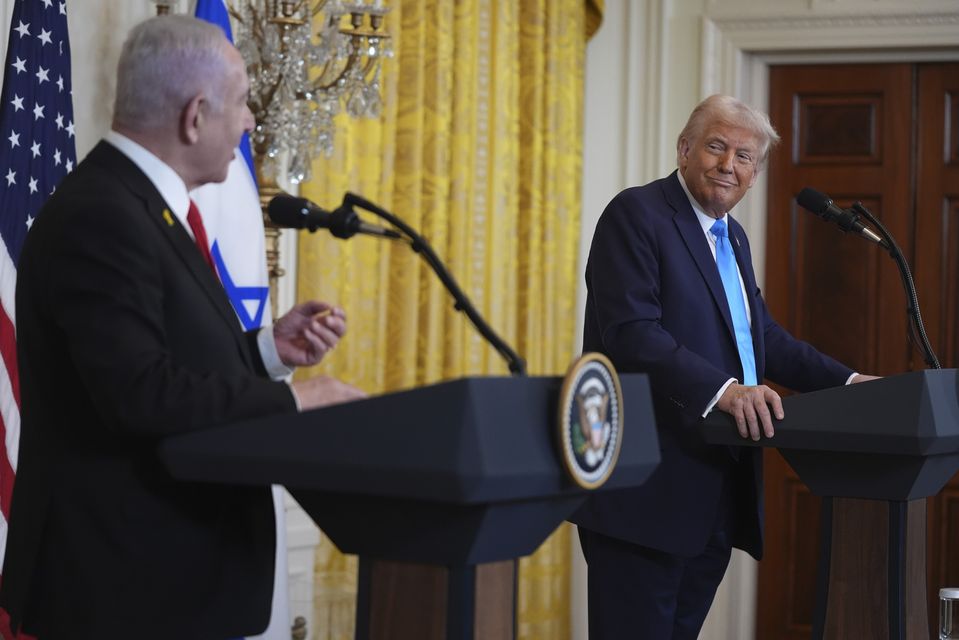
(37, 149)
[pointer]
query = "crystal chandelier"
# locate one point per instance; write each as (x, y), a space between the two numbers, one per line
(299, 78)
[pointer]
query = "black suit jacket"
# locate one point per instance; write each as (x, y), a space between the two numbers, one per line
(126, 336)
(655, 304)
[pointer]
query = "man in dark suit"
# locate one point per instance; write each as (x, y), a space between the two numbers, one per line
(125, 336)
(672, 293)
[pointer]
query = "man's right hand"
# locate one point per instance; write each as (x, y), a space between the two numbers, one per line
(323, 391)
(750, 407)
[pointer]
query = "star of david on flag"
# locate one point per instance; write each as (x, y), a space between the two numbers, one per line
(233, 220)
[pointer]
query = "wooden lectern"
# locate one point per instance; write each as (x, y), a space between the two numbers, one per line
(874, 451)
(438, 490)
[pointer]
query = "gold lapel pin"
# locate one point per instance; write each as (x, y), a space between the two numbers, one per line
(168, 217)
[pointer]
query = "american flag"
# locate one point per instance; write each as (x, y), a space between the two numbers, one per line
(36, 151)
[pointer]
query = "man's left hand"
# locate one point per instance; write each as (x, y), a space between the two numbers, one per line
(307, 332)
(750, 406)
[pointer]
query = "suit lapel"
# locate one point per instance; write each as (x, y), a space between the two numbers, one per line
(171, 229)
(692, 233)
(192, 259)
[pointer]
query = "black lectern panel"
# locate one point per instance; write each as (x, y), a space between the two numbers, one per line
(434, 533)
(461, 472)
(896, 438)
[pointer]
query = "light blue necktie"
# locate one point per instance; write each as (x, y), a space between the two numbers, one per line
(726, 261)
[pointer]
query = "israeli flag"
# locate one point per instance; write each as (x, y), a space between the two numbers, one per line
(234, 224)
(231, 215)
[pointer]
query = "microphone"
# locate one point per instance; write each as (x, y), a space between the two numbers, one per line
(290, 212)
(822, 205)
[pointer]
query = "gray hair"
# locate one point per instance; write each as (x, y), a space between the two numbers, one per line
(730, 111)
(164, 63)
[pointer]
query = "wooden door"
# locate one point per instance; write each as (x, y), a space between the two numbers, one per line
(847, 131)
(937, 281)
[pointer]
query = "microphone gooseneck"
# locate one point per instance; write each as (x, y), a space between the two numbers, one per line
(848, 220)
(299, 213)
(461, 302)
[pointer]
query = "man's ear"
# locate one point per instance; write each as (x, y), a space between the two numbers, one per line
(683, 152)
(191, 118)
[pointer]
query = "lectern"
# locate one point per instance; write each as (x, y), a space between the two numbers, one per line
(874, 451)
(438, 490)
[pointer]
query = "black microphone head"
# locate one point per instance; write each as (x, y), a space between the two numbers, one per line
(814, 201)
(289, 212)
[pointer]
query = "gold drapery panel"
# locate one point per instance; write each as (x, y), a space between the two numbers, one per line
(478, 148)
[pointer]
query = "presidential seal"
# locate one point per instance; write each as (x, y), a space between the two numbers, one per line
(590, 420)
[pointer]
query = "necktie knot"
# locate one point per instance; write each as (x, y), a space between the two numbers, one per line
(719, 229)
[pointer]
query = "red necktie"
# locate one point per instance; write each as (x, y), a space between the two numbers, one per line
(199, 234)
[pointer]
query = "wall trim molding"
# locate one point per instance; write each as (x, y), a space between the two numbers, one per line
(858, 29)
(729, 39)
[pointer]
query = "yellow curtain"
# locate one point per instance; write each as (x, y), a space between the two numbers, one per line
(478, 148)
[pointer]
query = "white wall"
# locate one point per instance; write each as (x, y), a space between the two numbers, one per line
(97, 31)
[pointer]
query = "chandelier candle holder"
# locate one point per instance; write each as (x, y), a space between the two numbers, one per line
(164, 7)
(300, 76)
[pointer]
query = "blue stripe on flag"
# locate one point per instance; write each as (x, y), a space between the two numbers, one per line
(215, 11)
(232, 216)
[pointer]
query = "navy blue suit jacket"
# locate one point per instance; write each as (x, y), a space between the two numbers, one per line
(655, 304)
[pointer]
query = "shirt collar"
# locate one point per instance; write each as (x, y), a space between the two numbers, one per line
(170, 185)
